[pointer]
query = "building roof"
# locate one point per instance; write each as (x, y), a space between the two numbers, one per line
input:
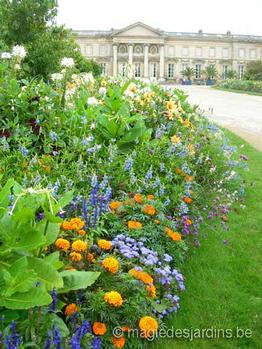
(180, 35)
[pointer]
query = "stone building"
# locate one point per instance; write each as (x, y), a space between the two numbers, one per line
(153, 53)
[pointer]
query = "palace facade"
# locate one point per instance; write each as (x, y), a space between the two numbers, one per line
(152, 53)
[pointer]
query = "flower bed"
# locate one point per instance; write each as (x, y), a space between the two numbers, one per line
(130, 171)
(242, 85)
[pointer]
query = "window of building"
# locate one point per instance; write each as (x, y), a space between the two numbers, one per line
(184, 66)
(225, 52)
(103, 68)
(253, 53)
(170, 70)
(154, 70)
(224, 71)
(240, 71)
(185, 51)
(137, 70)
(241, 53)
(198, 71)
(212, 52)
(153, 50)
(89, 50)
(199, 51)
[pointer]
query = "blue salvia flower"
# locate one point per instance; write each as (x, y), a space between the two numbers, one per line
(80, 332)
(53, 136)
(57, 338)
(48, 342)
(24, 151)
(52, 306)
(84, 210)
(149, 174)
(96, 343)
(162, 167)
(128, 164)
(13, 339)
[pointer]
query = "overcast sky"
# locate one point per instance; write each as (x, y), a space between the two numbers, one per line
(212, 16)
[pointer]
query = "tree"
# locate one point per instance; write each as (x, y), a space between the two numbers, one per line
(32, 24)
(188, 73)
(210, 72)
(254, 71)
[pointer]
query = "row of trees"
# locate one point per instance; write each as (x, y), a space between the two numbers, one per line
(32, 24)
(253, 72)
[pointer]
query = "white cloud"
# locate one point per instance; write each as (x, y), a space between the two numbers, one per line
(214, 16)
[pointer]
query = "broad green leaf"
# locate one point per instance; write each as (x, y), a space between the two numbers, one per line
(29, 240)
(5, 192)
(35, 297)
(58, 323)
(64, 200)
(46, 273)
(75, 280)
(54, 260)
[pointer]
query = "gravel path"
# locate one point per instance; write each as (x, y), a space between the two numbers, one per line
(239, 113)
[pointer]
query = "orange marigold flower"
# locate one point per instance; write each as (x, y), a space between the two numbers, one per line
(76, 257)
(113, 298)
(104, 244)
(99, 328)
(150, 210)
(119, 342)
(142, 276)
(73, 224)
(134, 225)
(151, 290)
(150, 197)
(79, 246)
(111, 264)
(173, 235)
(114, 205)
(178, 171)
(187, 200)
(157, 221)
(71, 309)
(62, 244)
(138, 198)
(189, 178)
(81, 232)
(66, 225)
(188, 222)
(148, 326)
(90, 257)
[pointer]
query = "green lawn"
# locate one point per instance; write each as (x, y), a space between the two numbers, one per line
(224, 280)
(252, 93)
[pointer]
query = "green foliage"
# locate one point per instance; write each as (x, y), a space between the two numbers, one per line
(188, 72)
(242, 85)
(210, 72)
(254, 71)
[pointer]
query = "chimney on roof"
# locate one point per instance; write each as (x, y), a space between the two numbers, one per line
(228, 33)
(200, 31)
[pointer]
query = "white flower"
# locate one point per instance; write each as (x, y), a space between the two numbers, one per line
(88, 78)
(17, 67)
(102, 91)
(92, 101)
(67, 62)
(19, 51)
(6, 55)
(57, 76)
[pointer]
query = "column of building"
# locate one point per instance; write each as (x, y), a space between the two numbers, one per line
(146, 49)
(162, 62)
(114, 60)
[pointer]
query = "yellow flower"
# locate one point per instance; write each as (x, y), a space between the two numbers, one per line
(151, 290)
(191, 149)
(173, 235)
(76, 257)
(104, 244)
(99, 328)
(111, 264)
(71, 309)
(186, 123)
(175, 139)
(142, 276)
(134, 225)
(150, 197)
(114, 205)
(148, 326)
(81, 232)
(79, 246)
(113, 298)
(62, 244)
(170, 105)
(150, 210)
(90, 257)
(119, 342)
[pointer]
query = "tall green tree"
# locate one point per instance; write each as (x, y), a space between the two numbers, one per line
(254, 71)
(32, 24)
